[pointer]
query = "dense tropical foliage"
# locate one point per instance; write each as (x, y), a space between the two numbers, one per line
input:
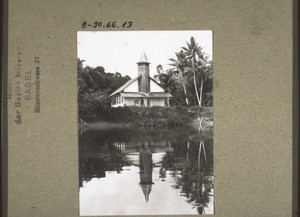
(94, 87)
(189, 78)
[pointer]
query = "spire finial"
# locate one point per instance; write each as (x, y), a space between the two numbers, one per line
(143, 58)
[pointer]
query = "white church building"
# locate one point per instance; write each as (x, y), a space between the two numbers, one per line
(141, 90)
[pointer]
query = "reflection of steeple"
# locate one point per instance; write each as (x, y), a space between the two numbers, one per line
(146, 190)
(146, 171)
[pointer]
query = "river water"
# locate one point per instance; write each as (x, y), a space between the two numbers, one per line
(145, 171)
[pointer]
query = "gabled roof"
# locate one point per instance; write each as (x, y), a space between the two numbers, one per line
(156, 82)
(124, 86)
(150, 94)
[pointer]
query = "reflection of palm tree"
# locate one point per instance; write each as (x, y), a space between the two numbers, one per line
(194, 184)
(201, 146)
(187, 182)
(202, 191)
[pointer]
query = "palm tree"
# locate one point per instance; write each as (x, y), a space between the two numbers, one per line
(164, 78)
(194, 54)
(178, 68)
(205, 71)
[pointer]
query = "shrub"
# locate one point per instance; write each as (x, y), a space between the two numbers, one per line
(92, 105)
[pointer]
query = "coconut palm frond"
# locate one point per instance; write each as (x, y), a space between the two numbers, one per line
(186, 49)
(172, 60)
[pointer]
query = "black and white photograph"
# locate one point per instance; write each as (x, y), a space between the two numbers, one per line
(145, 122)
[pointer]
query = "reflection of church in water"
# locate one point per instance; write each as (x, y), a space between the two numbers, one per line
(145, 155)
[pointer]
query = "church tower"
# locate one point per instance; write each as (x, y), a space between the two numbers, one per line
(144, 73)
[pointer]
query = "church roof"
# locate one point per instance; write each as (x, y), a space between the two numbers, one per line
(140, 94)
(124, 86)
(143, 58)
(156, 82)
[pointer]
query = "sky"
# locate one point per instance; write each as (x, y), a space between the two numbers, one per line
(119, 51)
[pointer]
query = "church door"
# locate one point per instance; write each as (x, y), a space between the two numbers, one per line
(142, 102)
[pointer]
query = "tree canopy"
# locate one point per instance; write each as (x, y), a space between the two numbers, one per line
(189, 76)
(96, 79)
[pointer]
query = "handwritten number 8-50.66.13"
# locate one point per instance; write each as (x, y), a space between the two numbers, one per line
(112, 25)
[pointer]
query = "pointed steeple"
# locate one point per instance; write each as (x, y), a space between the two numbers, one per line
(143, 58)
(143, 73)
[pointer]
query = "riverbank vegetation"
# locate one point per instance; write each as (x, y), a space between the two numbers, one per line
(151, 116)
(188, 78)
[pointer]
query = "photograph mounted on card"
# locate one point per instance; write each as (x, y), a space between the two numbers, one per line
(145, 121)
(139, 107)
